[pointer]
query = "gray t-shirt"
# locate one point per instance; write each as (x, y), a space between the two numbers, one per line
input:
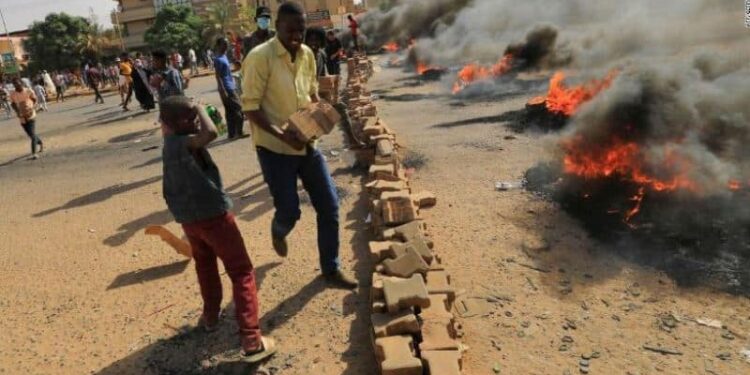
(192, 183)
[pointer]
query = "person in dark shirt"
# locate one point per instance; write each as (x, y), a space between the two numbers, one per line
(166, 80)
(262, 34)
(95, 78)
(315, 38)
(228, 91)
(333, 53)
(196, 198)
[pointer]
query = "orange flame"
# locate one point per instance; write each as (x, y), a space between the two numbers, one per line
(734, 185)
(423, 67)
(474, 72)
(625, 160)
(567, 100)
(391, 47)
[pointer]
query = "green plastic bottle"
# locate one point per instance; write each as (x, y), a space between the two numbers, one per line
(216, 117)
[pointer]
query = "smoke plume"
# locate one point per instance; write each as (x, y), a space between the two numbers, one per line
(596, 33)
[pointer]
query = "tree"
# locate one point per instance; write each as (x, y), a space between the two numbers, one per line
(227, 16)
(175, 27)
(99, 42)
(55, 43)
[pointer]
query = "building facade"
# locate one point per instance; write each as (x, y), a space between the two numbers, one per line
(12, 54)
(134, 17)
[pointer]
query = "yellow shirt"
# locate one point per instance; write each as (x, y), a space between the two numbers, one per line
(278, 87)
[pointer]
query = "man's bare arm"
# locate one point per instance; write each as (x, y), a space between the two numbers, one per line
(207, 132)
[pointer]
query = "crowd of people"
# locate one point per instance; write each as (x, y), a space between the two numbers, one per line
(278, 77)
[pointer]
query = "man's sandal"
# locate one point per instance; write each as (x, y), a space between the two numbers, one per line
(268, 348)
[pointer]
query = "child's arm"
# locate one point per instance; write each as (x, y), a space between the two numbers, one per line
(207, 131)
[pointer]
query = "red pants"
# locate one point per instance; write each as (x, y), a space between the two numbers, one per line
(220, 237)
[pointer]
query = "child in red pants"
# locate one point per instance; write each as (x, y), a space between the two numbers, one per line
(195, 196)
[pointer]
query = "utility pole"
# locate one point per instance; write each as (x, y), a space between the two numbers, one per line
(10, 40)
(118, 27)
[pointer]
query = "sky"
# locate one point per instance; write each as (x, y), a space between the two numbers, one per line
(19, 14)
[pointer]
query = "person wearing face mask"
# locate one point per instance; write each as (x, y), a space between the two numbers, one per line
(262, 34)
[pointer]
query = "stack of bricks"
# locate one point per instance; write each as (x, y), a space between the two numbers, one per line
(328, 88)
(413, 328)
(314, 121)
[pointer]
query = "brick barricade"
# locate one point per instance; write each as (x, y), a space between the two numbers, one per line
(413, 326)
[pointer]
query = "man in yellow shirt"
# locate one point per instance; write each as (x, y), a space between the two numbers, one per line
(126, 71)
(279, 78)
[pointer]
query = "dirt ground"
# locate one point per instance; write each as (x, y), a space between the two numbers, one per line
(84, 291)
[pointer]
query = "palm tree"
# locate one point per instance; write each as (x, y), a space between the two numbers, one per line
(98, 41)
(219, 18)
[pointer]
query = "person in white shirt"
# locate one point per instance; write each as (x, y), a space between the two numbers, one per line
(41, 95)
(193, 59)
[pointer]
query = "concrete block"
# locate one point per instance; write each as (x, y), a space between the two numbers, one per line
(419, 244)
(424, 199)
(396, 356)
(377, 187)
(406, 265)
(384, 147)
(438, 335)
(383, 172)
(401, 323)
(380, 250)
(438, 282)
(442, 362)
(405, 293)
(397, 211)
(439, 308)
(407, 233)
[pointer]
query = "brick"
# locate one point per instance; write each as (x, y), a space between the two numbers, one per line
(439, 308)
(419, 244)
(406, 265)
(401, 323)
(397, 211)
(438, 335)
(371, 129)
(396, 356)
(376, 290)
(407, 233)
(438, 282)
(424, 199)
(377, 187)
(384, 147)
(380, 250)
(442, 362)
(328, 82)
(383, 172)
(305, 125)
(370, 110)
(405, 293)
(330, 113)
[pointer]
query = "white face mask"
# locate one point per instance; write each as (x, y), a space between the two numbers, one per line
(264, 23)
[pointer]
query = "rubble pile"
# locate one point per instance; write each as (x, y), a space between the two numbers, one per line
(413, 328)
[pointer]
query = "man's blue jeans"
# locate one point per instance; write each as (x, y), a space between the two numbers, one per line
(280, 173)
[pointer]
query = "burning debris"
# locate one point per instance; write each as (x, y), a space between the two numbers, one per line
(534, 52)
(474, 72)
(661, 155)
(562, 102)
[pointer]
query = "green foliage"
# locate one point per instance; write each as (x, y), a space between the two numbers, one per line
(56, 43)
(175, 28)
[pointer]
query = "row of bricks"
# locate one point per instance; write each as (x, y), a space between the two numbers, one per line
(411, 295)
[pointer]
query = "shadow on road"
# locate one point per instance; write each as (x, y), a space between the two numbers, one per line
(149, 274)
(182, 353)
(100, 195)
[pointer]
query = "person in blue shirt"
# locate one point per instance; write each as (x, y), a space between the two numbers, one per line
(228, 90)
